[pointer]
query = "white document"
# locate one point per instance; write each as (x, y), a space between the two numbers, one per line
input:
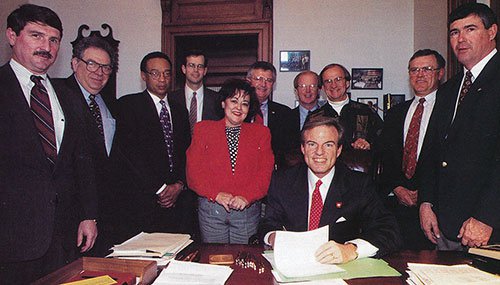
(431, 274)
(191, 273)
(294, 253)
(152, 244)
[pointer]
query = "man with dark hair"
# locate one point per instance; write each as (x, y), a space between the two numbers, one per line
(93, 62)
(47, 192)
(200, 102)
(459, 197)
(153, 133)
(323, 192)
(275, 116)
(405, 145)
(362, 125)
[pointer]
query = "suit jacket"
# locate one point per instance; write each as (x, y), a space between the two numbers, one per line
(211, 103)
(254, 163)
(139, 136)
(351, 196)
(464, 177)
(282, 132)
(37, 201)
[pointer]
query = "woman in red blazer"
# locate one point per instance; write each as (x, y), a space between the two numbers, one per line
(229, 165)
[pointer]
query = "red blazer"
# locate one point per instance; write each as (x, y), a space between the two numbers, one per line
(209, 166)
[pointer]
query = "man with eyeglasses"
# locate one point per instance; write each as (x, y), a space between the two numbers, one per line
(153, 133)
(201, 102)
(47, 190)
(276, 116)
(362, 125)
(94, 60)
(405, 145)
(460, 196)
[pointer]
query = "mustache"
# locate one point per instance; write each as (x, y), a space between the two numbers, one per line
(43, 53)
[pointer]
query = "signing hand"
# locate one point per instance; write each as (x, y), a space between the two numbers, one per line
(475, 233)
(238, 203)
(361, 144)
(335, 253)
(168, 196)
(224, 199)
(429, 223)
(87, 229)
(405, 196)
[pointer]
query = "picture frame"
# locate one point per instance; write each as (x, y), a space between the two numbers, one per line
(367, 78)
(391, 100)
(295, 60)
(372, 102)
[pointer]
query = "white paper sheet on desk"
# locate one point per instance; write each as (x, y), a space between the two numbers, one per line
(182, 272)
(294, 253)
(461, 274)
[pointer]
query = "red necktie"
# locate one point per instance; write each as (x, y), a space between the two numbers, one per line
(316, 208)
(193, 111)
(411, 143)
(42, 115)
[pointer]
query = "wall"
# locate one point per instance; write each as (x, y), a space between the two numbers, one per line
(355, 33)
(6, 7)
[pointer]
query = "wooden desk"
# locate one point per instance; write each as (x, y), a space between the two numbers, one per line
(398, 261)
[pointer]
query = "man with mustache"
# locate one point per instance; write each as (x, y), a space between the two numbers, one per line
(48, 203)
(460, 197)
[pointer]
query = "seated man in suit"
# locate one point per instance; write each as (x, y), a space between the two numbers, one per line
(324, 192)
(153, 133)
(201, 103)
(277, 117)
(94, 60)
(406, 144)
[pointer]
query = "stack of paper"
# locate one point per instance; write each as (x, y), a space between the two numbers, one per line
(427, 274)
(181, 272)
(160, 247)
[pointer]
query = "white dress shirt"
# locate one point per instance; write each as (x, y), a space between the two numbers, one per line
(430, 99)
(199, 101)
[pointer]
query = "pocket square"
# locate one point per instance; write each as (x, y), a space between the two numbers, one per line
(340, 220)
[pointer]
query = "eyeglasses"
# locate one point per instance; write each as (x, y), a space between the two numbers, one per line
(155, 74)
(262, 79)
(93, 66)
(304, 86)
(336, 80)
(427, 70)
(195, 66)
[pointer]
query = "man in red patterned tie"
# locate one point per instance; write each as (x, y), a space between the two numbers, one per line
(405, 145)
(323, 192)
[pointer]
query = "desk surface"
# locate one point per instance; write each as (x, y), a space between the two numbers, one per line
(397, 260)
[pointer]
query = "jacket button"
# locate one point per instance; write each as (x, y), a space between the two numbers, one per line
(444, 164)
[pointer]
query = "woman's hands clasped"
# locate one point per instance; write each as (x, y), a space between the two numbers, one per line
(228, 201)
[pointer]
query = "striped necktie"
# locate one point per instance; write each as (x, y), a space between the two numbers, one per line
(167, 133)
(193, 111)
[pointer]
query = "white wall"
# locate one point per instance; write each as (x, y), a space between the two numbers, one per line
(356, 33)
(136, 24)
(6, 7)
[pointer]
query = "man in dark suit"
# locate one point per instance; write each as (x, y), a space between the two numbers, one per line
(153, 133)
(362, 125)
(206, 103)
(94, 60)
(275, 116)
(47, 193)
(306, 87)
(324, 192)
(460, 198)
(405, 144)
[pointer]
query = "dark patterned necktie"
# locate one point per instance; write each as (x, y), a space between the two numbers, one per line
(193, 111)
(42, 116)
(465, 86)
(167, 133)
(316, 207)
(96, 113)
(411, 142)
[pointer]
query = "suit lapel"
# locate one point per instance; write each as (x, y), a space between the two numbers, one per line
(301, 198)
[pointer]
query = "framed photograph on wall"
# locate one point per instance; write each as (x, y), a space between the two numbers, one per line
(367, 78)
(294, 60)
(372, 102)
(391, 100)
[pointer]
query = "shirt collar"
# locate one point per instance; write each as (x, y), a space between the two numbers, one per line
(156, 99)
(24, 75)
(189, 92)
(327, 179)
(429, 98)
(339, 103)
(476, 69)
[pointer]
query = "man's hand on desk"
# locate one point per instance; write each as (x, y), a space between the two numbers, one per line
(406, 196)
(87, 229)
(336, 253)
(429, 223)
(224, 199)
(475, 233)
(168, 196)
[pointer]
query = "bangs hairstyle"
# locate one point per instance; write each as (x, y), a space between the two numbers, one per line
(484, 12)
(229, 89)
